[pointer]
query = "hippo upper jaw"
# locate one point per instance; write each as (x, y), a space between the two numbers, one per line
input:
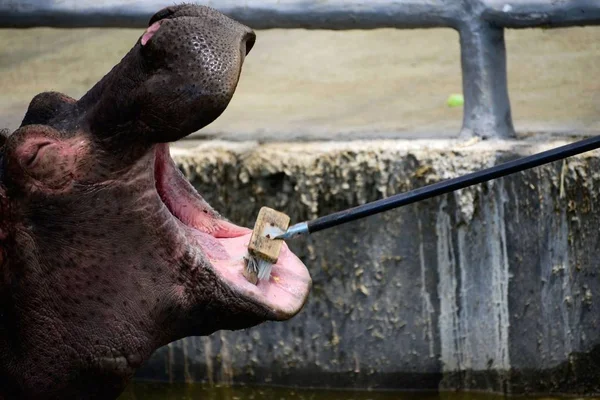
(178, 78)
(224, 245)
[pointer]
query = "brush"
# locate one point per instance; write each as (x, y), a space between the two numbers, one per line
(263, 251)
(439, 188)
(272, 229)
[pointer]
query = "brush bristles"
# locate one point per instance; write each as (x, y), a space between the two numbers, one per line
(259, 267)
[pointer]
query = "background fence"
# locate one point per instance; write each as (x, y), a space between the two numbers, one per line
(480, 23)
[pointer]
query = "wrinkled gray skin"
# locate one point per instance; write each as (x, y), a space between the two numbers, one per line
(95, 273)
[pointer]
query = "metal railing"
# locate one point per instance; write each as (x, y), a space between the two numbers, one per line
(480, 24)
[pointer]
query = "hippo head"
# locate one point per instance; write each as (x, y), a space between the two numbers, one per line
(106, 251)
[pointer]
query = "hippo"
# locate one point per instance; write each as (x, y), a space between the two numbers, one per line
(107, 252)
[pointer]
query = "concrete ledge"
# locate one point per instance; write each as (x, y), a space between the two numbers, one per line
(491, 288)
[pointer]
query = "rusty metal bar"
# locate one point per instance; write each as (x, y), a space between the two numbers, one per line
(486, 111)
(259, 14)
(541, 13)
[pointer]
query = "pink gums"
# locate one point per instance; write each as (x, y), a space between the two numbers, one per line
(183, 201)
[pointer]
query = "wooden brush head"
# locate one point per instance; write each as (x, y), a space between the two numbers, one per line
(269, 223)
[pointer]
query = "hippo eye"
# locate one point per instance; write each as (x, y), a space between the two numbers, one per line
(162, 14)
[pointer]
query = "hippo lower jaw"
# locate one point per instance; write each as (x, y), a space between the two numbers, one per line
(225, 244)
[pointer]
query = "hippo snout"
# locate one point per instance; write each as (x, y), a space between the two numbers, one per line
(180, 76)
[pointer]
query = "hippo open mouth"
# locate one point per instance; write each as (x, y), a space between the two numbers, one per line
(225, 244)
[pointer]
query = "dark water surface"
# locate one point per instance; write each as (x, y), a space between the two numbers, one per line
(151, 391)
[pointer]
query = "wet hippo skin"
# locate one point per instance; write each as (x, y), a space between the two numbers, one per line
(106, 251)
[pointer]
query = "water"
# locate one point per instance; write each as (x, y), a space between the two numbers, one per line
(147, 391)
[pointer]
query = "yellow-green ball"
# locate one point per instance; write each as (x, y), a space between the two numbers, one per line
(456, 100)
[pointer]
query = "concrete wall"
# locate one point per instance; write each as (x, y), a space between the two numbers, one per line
(493, 288)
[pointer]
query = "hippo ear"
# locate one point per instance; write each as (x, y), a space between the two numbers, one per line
(3, 137)
(3, 231)
(46, 106)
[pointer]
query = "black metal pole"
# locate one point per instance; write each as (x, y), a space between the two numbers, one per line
(451, 185)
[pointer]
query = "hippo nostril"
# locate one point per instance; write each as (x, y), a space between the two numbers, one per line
(249, 39)
(150, 32)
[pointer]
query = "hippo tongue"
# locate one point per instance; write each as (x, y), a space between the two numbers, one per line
(225, 244)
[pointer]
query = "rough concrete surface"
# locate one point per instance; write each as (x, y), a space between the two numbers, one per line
(491, 288)
(300, 84)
